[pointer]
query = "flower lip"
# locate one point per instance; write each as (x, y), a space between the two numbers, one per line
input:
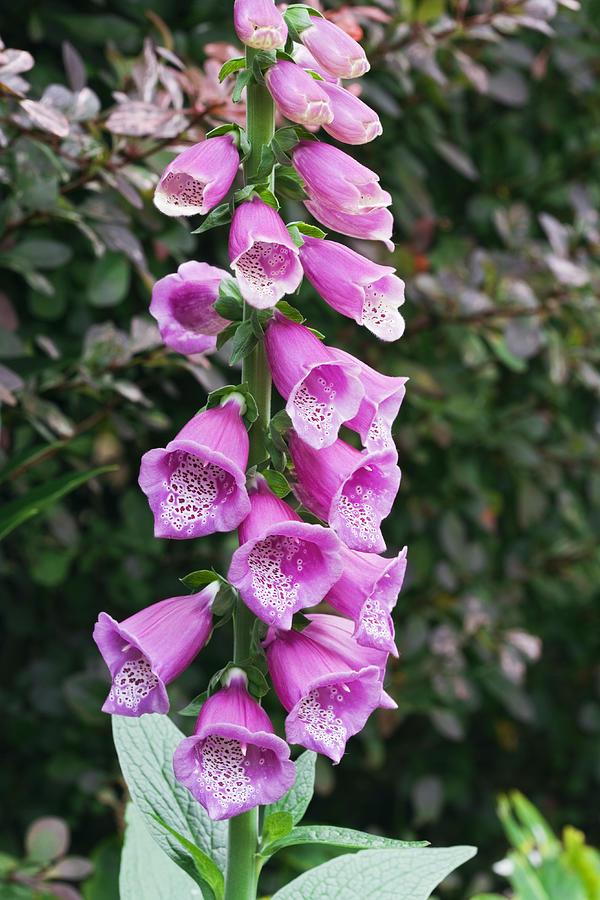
(198, 178)
(375, 225)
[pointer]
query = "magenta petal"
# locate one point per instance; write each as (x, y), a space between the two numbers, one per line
(198, 178)
(259, 24)
(183, 304)
(333, 178)
(376, 225)
(353, 121)
(336, 51)
(151, 648)
(234, 761)
(196, 485)
(263, 255)
(303, 57)
(297, 95)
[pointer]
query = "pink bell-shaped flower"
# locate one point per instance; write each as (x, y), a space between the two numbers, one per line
(336, 51)
(304, 58)
(283, 564)
(297, 95)
(196, 485)
(259, 24)
(353, 491)
(183, 304)
(328, 683)
(366, 592)
(374, 225)
(333, 178)
(151, 648)
(263, 255)
(198, 178)
(355, 286)
(353, 121)
(322, 390)
(234, 761)
(378, 408)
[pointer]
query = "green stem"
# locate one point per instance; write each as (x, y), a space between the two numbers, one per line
(241, 877)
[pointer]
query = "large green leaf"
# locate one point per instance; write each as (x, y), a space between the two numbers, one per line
(147, 872)
(339, 837)
(377, 875)
(18, 511)
(300, 794)
(145, 747)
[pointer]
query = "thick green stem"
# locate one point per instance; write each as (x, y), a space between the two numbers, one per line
(241, 877)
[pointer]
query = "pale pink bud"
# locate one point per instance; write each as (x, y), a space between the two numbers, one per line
(297, 95)
(259, 24)
(353, 121)
(336, 51)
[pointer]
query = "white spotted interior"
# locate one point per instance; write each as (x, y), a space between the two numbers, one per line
(278, 565)
(224, 770)
(357, 506)
(195, 490)
(379, 433)
(263, 264)
(374, 622)
(132, 683)
(183, 190)
(319, 713)
(379, 316)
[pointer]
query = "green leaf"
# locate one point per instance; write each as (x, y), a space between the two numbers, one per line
(109, 279)
(29, 457)
(305, 228)
(244, 78)
(281, 421)
(215, 398)
(277, 482)
(226, 334)
(232, 65)
(268, 197)
(267, 161)
(244, 342)
(377, 875)
(262, 61)
(290, 311)
(428, 10)
(146, 871)
(47, 839)
(338, 837)
(18, 511)
(194, 706)
(145, 747)
(277, 826)
(196, 580)
(290, 185)
(300, 794)
(220, 215)
(276, 455)
(207, 870)
(230, 303)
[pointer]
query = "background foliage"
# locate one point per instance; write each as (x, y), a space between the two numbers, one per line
(491, 147)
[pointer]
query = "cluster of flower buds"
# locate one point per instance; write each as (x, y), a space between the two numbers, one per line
(328, 670)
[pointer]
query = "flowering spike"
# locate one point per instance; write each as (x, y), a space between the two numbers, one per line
(151, 648)
(321, 390)
(353, 491)
(336, 51)
(333, 178)
(198, 178)
(297, 95)
(183, 304)
(355, 286)
(259, 24)
(234, 761)
(263, 255)
(283, 564)
(353, 121)
(196, 485)
(327, 683)
(375, 225)
(367, 592)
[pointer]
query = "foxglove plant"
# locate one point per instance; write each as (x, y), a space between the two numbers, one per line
(231, 465)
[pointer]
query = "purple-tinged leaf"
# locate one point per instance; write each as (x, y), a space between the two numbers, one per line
(74, 66)
(73, 868)
(457, 158)
(566, 271)
(556, 233)
(46, 118)
(135, 118)
(47, 838)
(508, 87)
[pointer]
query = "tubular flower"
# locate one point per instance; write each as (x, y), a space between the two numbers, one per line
(327, 683)
(367, 592)
(336, 51)
(196, 485)
(297, 95)
(353, 121)
(304, 58)
(374, 225)
(234, 761)
(336, 179)
(259, 24)
(355, 286)
(321, 390)
(198, 178)
(151, 648)
(379, 407)
(183, 304)
(263, 255)
(353, 491)
(283, 564)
